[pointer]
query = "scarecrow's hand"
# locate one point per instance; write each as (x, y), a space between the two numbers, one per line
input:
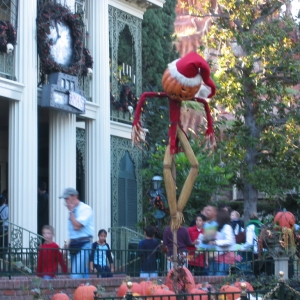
(210, 140)
(138, 135)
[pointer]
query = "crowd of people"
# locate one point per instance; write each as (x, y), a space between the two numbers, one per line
(216, 241)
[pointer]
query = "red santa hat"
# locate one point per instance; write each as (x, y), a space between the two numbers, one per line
(191, 70)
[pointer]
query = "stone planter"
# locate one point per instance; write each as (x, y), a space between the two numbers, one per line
(280, 255)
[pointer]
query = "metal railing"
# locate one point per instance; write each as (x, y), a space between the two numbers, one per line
(36, 261)
(124, 238)
(18, 237)
(121, 116)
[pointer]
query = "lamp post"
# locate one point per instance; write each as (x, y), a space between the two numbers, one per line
(156, 182)
(158, 199)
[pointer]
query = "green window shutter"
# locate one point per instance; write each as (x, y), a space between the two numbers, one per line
(127, 193)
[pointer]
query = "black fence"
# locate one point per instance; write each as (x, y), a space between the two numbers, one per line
(282, 291)
(130, 262)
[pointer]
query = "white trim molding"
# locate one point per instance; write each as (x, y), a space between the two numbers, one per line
(90, 110)
(120, 130)
(12, 90)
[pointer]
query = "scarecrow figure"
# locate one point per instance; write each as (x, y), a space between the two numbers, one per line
(181, 81)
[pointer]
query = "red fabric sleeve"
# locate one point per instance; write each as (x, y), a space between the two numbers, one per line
(142, 102)
(210, 130)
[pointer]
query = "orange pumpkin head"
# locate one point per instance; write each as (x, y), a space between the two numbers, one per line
(176, 90)
(183, 78)
(285, 219)
(60, 296)
(85, 292)
(230, 289)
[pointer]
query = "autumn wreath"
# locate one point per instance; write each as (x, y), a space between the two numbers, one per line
(81, 59)
(8, 37)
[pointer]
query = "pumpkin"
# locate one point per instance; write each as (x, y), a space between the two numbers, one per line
(162, 292)
(230, 289)
(285, 219)
(60, 296)
(176, 90)
(154, 287)
(144, 285)
(197, 291)
(204, 286)
(185, 280)
(122, 290)
(249, 287)
(84, 292)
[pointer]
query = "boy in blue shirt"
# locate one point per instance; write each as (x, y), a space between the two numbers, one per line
(147, 249)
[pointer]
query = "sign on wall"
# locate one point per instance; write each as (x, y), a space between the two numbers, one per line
(63, 93)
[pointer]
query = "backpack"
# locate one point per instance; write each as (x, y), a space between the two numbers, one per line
(258, 226)
(240, 238)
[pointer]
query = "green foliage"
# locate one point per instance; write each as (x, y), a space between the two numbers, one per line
(257, 67)
(157, 44)
(210, 181)
(157, 51)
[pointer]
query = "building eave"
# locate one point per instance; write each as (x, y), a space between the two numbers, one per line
(136, 8)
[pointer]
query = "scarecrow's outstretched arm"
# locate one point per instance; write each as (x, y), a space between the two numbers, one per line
(209, 134)
(138, 133)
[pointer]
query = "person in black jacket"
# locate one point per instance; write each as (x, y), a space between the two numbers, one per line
(100, 254)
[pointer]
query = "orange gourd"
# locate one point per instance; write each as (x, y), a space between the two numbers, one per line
(60, 296)
(176, 90)
(163, 292)
(230, 289)
(202, 295)
(144, 285)
(156, 287)
(204, 286)
(249, 287)
(122, 290)
(185, 280)
(84, 292)
(285, 219)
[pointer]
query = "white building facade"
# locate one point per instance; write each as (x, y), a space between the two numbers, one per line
(41, 143)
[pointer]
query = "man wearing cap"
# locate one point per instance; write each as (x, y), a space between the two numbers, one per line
(81, 230)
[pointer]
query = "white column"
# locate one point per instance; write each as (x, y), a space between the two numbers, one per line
(22, 161)
(98, 131)
(62, 169)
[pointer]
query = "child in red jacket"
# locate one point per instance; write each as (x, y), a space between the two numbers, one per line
(196, 259)
(49, 256)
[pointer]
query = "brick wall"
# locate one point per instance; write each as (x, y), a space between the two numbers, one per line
(19, 288)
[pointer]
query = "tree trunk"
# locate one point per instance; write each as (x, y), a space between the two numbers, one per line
(249, 191)
(250, 200)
